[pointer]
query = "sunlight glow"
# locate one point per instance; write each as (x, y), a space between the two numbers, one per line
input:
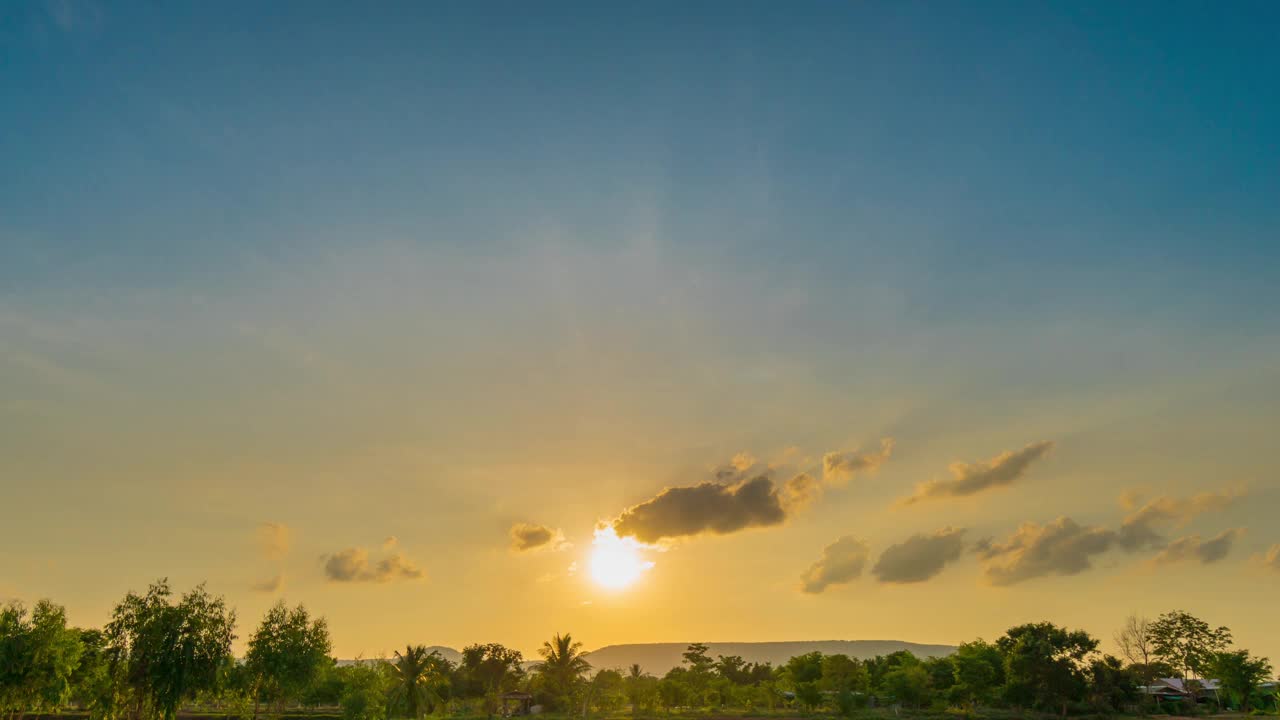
(615, 561)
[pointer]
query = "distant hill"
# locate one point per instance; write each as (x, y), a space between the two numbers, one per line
(658, 658)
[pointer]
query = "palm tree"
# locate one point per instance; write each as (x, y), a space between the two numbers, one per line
(419, 676)
(635, 682)
(562, 665)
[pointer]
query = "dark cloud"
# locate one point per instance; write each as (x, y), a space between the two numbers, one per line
(1062, 547)
(269, 585)
(840, 467)
(531, 536)
(841, 562)
(1192, 547)
(715, 508)
(1139, 529)
(352, 565)
(920, 557)
(970, 479)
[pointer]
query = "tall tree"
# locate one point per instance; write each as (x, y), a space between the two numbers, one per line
(170, 651)
(1240, 674)
(286, 654)
(1187, 643)
(488, 669)
(1044, 664)
(420, 677)
(562, 667)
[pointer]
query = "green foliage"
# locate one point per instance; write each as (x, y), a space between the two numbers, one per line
(562, 669)
(1186, 642)
(1043, 664)
(286, 654)
(1240, 674)
(39, 655)
(365, 688)
(1112, 686)
(419, 679)
(978, 669)
(908, 684)
(169, 651)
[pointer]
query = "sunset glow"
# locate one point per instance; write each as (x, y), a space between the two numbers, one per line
(616, 562)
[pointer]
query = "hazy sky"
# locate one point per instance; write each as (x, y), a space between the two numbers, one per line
(932, 319)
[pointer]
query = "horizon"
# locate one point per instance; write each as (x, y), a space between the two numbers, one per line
(645, 322)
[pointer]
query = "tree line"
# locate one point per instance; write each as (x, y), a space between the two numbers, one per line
(161, 653)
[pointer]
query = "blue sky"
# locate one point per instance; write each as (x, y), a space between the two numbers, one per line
(542, 262)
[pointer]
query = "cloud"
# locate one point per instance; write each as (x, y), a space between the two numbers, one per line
(531, 536)
(352, 565)
(734, 469)
(715, 508)
(1271, 558)
(1138, 531)
(920, 557)
(841, 562)
(1062, 547)
(1192, 547)
(841, 467)
(273, 539)
(270, 585)
(971, 479)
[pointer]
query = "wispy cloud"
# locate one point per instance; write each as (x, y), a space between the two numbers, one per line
(273, 540)
(1192, 547)
(841, 467)
(270, 585)
(973, 478)
(1139, 529)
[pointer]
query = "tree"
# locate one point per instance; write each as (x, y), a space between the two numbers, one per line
(38, 656)
(1187, 643)
(286, 654)
(1112, 686)
(673, 689)
(841, 673)
(364, 690)
(562, 667)
(1240, 674)
(700, 667)
(732, 668)
(93, 685)
(640, 688)
(169, 651)
(419, 677)
(978, 667)
(908, 684)
(489, 669)
(1043, 664)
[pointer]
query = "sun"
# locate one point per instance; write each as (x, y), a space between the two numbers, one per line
(615, 561)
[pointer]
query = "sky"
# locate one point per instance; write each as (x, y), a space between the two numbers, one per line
(476, 322)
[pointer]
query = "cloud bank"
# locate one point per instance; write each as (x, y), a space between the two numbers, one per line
(841, 562)
(352, 565)
(526, 537)
(920, 557)
(970, 479)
